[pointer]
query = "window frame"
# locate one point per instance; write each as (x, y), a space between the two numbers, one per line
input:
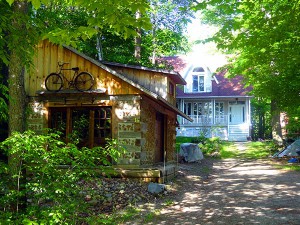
(91, 139)
(198, 84)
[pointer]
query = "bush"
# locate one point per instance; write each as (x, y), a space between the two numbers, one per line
(210, 145)
(41, 184)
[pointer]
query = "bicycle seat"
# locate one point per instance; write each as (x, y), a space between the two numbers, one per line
(75, 68)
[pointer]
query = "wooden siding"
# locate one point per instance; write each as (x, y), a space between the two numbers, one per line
(45, 62)
(153, 81)
(149, 108)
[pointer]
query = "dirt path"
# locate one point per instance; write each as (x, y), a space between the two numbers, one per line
(231, 192)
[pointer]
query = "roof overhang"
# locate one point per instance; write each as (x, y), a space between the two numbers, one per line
(215, 97)
(134, 84)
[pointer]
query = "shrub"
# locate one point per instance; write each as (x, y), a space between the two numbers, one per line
(41, 185)
(210, 145)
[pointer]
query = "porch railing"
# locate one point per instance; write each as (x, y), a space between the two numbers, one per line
(206, 120)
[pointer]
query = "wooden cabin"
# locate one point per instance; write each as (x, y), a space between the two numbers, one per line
(132, 104)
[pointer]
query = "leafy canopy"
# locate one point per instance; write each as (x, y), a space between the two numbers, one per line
(263, 40)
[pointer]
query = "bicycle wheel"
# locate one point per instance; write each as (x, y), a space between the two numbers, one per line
(53, 82)
(84, 81)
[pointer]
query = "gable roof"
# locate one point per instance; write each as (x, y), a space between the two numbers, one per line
(224, 87)
(131, 82)
(221, 85)
(173, 75)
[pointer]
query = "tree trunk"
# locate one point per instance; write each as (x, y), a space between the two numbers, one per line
(17, 95)
(154, 43)
(276, 123)
(138, 40)
(99, 47)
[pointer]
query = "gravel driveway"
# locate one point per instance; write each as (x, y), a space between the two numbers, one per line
(231, 192)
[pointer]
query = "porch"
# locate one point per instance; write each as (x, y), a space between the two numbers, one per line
(205, 120)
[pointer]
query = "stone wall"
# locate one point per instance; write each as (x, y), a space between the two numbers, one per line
(36, 117)
(128, 129)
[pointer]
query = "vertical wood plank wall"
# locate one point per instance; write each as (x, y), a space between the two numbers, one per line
(45, 62)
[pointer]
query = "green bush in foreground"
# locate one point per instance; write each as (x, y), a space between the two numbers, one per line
(46, 184)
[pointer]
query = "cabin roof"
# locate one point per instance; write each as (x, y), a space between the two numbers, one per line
(131, 82)
(175, 76)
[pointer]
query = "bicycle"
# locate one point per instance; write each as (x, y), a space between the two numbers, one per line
(83, 81)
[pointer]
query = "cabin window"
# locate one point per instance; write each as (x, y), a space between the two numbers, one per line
(198, 83)
(171, 89)
(88, 127)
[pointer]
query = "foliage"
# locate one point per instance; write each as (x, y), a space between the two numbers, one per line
(115, 46)
(169, 21)
(50, 178)
(180, 140)
(210, 145)
(262, 38)
(260, 119)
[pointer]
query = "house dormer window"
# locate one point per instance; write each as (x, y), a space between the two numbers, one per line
(198, 83)
(198, 79)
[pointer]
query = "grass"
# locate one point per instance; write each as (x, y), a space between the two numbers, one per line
(180, 140)
(253, 150)
(293, 167)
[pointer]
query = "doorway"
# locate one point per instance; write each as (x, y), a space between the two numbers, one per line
(236, 114)
(159, 138)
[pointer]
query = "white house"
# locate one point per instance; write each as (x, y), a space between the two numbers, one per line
(219, 107)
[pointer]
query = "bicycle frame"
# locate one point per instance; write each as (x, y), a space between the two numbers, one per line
(70, 82)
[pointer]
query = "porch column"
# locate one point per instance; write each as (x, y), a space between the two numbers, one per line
(213, 111)
(182, 109)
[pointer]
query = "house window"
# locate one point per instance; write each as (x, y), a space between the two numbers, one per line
(198, 69)
(202, 112)
(198, 83)
(188, 108)
(88, 127)
(219, 112)
(219, 109)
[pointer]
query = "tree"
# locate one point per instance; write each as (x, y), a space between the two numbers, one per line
(28, 27)
(263, 40)
(168, 17)
(24, 28)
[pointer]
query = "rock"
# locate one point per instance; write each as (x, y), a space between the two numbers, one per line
(155, 188)
(190, 152)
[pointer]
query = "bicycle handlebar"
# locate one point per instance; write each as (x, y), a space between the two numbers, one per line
(60, 64)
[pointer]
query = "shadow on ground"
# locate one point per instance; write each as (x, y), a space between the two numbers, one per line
(231, 192)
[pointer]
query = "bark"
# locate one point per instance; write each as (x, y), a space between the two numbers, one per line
(17, 95)
(99, 47)
(276, 123)
(138, 40)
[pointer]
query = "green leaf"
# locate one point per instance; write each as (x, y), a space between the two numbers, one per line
(36, 4)
(10, 2)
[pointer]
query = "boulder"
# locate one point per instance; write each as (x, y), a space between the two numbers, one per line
(155, 188)
(190, 152)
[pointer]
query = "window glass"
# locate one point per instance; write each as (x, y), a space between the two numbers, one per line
(198, 83)
(198, 69)
(87, 127)
(201, 83)
(195, 83)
